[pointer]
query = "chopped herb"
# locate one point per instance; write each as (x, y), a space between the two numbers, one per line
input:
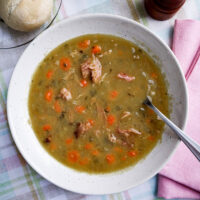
(118, 108)
(48, 139)
(53, 83)
(86, 97)
(131, 95)
(66, 46)
(140, 50)
(93, 93)
(62, 115)
(40, 82)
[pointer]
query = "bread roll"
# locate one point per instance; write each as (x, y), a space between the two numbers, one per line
(25, 15)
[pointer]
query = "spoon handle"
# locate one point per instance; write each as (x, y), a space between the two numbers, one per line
(190, 143)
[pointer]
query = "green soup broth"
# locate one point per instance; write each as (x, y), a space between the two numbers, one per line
(121, 130)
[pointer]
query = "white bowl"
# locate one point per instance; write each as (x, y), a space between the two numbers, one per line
(18, 116)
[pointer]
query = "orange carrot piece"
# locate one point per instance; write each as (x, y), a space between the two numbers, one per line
(114, 94)
(53, 146)
(148, 121)
(118, 149)
(89, 146)
(95, 153)
(80, 109)
(151, 138)
(150, 111)
(65, 64)
(84, 44)
(57, 107)
(68, 141)
(107, 109)
(96, 49)
(154, 75)
(132, 153)
(111, 119)
(73, 156)
(124, 157)
(91, 122)
(49, 74)
(110, 158)
(83, 83)
(47, 127)
(120, 53)
(84, 161)
(49, 95)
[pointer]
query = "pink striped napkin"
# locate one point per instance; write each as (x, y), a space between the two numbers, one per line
(181, 176)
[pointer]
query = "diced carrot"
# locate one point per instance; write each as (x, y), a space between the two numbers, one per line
(57, 107)
(120, 52)
(53, 146)
(73, 156)
(151, 138)
(65, 64)
(95, 153)
(49, 95)
(83, 83)
(49, 74)
(118, 149)
(110, 158)
(114, 94)
(80, 109)
(111, 119)
(47, 127)
(96, 49)
(91, 122)
(154, 75)
(68, 141)
(124, 157)
(148, 121)
(107, 109)
(150, 111)
(132, 153)
(84, 161)
(89, 146)
(84, 44)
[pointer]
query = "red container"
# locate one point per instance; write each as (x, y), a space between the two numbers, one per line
(163, 9)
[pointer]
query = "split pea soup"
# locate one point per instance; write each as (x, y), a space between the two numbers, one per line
(86, 103)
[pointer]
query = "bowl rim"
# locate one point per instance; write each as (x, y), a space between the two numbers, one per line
(75, 18)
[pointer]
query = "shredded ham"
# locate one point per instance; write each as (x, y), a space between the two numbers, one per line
(82, 128)
(125, 77)
(126, 132)
(112, 138)
(125, 114)
(132, 130)
(92, 66)
(65, 94)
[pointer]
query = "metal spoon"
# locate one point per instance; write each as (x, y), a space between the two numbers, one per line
(190, 143)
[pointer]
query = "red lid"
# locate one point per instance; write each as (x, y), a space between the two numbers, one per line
(169, 4)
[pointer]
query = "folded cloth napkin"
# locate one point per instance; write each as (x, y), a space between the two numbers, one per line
(181, 176)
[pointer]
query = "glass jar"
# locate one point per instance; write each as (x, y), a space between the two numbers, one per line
(163, 9)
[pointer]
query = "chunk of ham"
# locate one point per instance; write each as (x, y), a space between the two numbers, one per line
(125, 77)
(92, 67)
(112, 138)
(127, 132)
(123, 137)
(132, 130)
(82, 128)
(65, 94)
(125, 114)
